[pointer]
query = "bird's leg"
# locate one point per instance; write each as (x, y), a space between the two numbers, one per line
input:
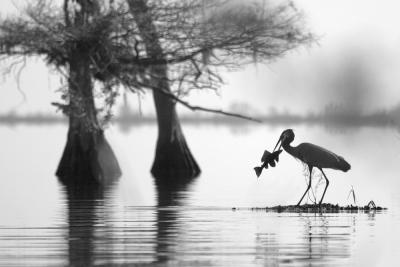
(327, 184)
(309, 185)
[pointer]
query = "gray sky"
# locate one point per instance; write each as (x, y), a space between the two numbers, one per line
(355, 64)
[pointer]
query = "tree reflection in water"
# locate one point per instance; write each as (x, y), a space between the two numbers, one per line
(171, 195)
(85, 209)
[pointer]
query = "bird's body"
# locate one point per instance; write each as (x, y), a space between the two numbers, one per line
(313, 156)
(318, 157)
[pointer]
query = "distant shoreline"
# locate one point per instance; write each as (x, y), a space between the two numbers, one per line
(378, 120)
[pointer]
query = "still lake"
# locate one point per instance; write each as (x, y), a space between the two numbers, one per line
(133, 221)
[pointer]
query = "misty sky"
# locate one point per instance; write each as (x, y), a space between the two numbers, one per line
(355, 64)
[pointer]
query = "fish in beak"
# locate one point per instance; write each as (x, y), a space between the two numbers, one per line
(269, 158)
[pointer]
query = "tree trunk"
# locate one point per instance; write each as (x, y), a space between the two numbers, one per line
(173, 158)
(87, 157)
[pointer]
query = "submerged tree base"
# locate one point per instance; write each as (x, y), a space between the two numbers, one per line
(313, 208)
(174, 160)
(88, 159)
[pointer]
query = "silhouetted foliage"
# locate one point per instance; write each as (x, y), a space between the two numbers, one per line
(196, 39)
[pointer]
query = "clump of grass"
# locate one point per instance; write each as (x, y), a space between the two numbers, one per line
(323, 208)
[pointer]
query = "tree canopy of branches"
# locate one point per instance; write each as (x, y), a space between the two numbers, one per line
(170, 47)
(198, 39)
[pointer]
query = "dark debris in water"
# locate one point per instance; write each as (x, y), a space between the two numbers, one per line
(324, 208)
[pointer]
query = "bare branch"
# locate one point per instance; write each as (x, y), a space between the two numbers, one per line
(194, 108)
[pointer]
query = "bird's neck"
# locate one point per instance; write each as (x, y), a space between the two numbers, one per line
(290, 149)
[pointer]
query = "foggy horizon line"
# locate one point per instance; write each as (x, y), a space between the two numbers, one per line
(377, 118)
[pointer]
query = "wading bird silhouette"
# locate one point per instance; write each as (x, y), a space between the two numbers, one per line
(313, 156)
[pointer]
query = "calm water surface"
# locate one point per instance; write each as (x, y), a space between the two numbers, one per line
(138, 221)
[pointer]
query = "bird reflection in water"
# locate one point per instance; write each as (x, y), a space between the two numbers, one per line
(324, 240)
(321, 240)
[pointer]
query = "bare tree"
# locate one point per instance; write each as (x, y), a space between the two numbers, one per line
(169, 47)
(68, 37)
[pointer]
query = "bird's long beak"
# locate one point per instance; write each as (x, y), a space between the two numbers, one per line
(279, 141)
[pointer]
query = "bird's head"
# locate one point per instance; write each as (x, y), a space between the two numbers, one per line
(287, 136)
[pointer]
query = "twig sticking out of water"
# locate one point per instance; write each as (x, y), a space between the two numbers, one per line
(353, 193)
